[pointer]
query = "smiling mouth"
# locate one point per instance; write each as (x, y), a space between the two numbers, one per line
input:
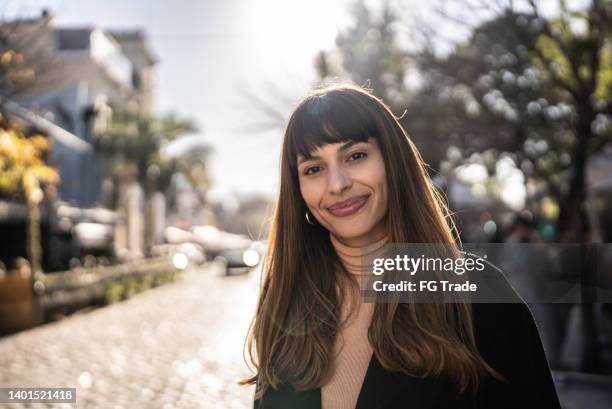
(348, 207)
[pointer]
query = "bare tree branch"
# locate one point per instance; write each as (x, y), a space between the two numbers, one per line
(273, 113)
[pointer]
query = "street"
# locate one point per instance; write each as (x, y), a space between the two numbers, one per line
(172, 347)
(176, 346)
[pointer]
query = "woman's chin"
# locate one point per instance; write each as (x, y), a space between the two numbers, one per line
(350, 234)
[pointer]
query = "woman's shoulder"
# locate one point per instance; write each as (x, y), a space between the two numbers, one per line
(506, 332)
(500, 314)
(507, 338)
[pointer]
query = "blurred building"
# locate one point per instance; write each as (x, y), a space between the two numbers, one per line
(80, 74)
(91, 70)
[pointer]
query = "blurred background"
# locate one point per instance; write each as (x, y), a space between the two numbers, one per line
(139, 147)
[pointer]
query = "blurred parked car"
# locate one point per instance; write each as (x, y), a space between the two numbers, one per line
(234, 251)
(182, 255)
(243, 258)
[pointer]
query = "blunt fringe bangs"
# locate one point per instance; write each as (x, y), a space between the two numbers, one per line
(329, 117)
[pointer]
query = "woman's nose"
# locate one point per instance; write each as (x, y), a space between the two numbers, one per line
(338, 180)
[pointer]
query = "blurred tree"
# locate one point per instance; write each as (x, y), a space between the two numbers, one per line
(325, 66)
(139, 138)
(369, 54)
(537, 89)
(23, 174)
(25, 55)
(271, 107)
(458, 104)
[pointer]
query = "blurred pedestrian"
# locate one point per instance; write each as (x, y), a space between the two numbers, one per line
(533, 272)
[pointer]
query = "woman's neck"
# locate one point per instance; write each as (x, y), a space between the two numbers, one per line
(354, 257)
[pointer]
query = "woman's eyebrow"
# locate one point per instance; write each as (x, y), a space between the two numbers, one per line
(306, 158)
(348, 145)
(341, 149)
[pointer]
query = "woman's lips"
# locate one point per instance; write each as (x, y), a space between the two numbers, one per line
(350, 207)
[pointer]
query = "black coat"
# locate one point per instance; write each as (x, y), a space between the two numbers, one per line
(507, 338)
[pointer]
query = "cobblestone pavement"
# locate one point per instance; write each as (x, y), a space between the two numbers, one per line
(176, 346)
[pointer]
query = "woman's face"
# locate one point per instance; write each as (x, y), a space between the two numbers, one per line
(345, 187)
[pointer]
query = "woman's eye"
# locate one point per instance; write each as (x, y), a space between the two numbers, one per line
(312, 170)
(357, 155)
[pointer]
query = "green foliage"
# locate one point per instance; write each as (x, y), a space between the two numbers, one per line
(23, 174)
(22, 166)
(124, 288)
(25, 60)
(15, 73)
(141, 138)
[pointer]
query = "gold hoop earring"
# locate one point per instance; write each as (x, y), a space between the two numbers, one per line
(308, 218)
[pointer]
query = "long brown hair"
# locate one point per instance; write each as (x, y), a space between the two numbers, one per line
(298, 314)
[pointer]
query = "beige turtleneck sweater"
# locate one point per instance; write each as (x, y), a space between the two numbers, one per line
(352, 348)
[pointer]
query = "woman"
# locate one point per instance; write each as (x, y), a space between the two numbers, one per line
(351, 181)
